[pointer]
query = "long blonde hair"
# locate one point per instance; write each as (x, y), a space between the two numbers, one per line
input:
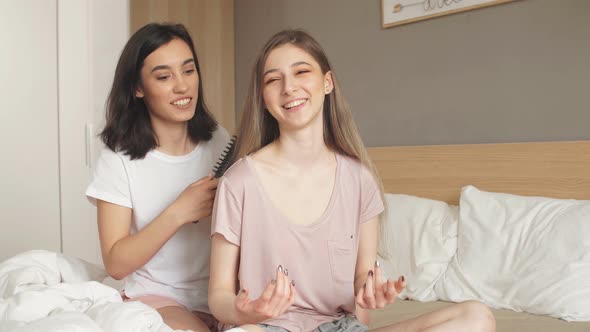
(258, 128)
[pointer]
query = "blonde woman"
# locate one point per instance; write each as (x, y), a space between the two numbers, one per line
(295, 221)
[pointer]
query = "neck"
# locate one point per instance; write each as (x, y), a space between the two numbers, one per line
(302, 148)
(173, 138)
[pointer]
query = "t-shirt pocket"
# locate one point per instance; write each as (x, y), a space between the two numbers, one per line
(342, 260)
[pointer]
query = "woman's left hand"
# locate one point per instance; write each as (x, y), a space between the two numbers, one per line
(376, 293)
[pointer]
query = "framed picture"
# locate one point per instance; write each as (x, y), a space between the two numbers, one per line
(398, 12)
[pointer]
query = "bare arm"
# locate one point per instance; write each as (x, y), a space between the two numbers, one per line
(123, 253)
(367, 253)
(370, 289)
(239, 309)
(223, 280)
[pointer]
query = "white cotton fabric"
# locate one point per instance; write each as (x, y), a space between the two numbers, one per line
(420, 238)
(522, 253)
(180, 269)
(35, 295)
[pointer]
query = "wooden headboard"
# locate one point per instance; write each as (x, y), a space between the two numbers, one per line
(552, 169)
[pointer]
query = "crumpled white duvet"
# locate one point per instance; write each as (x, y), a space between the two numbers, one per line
(47, 291)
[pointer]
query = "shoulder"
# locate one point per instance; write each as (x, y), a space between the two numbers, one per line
(238, 171)
(220, 136)
(219, 139)
(107, 153)
(112, 158)
(237, 178)
(353, 170)
(243, 170)
(351, 165)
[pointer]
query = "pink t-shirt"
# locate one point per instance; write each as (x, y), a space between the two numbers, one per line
(320, 257)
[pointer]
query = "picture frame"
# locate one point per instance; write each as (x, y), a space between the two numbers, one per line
(399, 12)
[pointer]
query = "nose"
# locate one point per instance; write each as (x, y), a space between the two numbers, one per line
(181, 85)
(289, 86)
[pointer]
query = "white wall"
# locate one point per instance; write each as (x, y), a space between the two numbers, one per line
(56, 66)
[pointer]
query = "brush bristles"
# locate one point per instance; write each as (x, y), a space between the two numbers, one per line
(225, 158)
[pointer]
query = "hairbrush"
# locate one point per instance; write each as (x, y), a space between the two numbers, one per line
(225, 158)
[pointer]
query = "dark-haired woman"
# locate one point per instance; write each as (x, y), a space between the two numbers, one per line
(152, 181)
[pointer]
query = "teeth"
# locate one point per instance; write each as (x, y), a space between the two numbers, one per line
(295, 103)
(182, 102)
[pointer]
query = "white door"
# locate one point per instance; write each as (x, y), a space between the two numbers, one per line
(92, 34)
(57, 61)
(29, 171)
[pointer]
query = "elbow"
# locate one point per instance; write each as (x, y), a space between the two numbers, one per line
(217, 309)
(212, 306)
(115, 271)
(117, 276)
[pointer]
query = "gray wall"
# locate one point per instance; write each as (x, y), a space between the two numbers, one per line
(508, 73)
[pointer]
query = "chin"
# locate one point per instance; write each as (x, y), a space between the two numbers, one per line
(183, 117)
(188, 118)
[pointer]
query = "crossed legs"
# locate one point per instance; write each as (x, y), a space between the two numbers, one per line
(469, 316)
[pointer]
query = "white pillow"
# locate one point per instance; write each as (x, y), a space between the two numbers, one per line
(419, 240)
(522, 253)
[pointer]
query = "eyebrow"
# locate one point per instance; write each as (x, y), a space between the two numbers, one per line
(293, 65)
(160, 67)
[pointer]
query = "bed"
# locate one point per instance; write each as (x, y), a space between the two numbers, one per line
(558, 170)
(47, 291)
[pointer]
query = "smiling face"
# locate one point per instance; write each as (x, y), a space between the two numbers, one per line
(169, 83)
(294, 87)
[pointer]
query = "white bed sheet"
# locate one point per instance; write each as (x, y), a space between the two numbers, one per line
(47, 291)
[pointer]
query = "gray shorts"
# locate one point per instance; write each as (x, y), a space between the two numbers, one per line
(344, 324)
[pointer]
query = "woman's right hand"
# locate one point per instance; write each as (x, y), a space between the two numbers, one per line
(276, 298)
(196, 201)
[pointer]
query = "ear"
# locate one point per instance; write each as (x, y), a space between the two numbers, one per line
(328, 83)
(139, 92)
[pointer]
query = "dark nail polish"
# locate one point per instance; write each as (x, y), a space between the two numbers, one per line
(280, 268)
(370, 273)
(293, 283)
(242, 291)
(377, 264)
(286, 272)
(364, 285)
(403, 279)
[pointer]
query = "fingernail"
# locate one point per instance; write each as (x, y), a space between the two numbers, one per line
(242, 290)
(377, 264)
(403, 279)
(273, 281)
(364, 285)
(286, 272)
(293, 283)
(370, 273)
(280, 268)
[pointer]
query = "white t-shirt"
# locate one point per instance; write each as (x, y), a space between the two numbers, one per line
(180, 269)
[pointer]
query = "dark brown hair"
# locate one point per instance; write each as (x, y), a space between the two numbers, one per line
(128, 126)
